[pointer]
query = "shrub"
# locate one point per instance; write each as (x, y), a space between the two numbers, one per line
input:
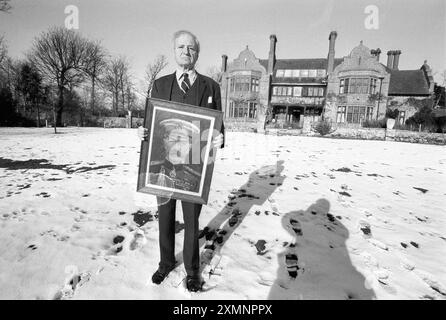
(323, 127)
(381, 123)
(392, 114)
(423, 116)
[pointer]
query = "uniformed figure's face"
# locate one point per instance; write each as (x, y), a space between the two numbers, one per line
(177, 144)
(186, 51)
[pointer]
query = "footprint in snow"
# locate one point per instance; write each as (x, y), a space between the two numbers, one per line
(139, 240)
(260, 246)
(365, 228)
(72, 284)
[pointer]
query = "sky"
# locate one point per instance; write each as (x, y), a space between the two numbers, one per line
(141, 30)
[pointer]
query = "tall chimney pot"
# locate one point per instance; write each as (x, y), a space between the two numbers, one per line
(224, 63)
(389, 59)
(272, 53)
(331, 51)
(377, 54)
(396, 59)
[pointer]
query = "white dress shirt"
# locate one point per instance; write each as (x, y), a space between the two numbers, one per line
(192, 76)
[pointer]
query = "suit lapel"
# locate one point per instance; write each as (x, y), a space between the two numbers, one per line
(171, 79)
(201, 88)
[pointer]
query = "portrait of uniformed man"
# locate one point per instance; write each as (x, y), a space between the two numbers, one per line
(175, 168)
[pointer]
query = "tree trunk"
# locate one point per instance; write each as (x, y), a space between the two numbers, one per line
(116, 102)
(123, 99)
(93, 82)
(55, 118)
(59, 107)
(38, 115)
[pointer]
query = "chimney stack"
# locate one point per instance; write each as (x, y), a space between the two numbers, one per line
(396, 59)
(331, 51)
(224, 63)
(272, 53)
(390, 59)
(376, 53)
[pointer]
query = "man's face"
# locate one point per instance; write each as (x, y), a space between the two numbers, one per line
(177, 145)
(186, 51)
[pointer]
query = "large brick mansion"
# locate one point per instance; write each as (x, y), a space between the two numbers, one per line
(346, 91)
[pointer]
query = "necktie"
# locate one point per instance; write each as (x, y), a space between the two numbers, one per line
(185, 84)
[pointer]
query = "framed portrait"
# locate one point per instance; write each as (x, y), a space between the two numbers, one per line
(177, 158)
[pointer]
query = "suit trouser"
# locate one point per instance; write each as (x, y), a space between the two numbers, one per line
(166, 220)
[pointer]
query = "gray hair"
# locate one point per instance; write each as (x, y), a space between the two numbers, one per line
(177, 34)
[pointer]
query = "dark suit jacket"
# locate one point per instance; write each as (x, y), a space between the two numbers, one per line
(162, 89)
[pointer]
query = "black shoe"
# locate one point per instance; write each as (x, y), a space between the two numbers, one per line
(159, 276)
(194, 283)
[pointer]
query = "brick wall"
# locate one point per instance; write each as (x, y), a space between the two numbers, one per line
(416, 137)
(119, 122)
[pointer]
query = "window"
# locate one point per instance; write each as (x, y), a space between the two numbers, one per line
(357, 114)
(304, 73)
(312, 73)
(252, 113)
(358, 85)
(279, 73)
(373, 85)
(321, 92)
(287, 73)
(311, 91)
(401, 117)
(343, 86)
(283, 91)
(244, 84)
(239, 110)
(369, 115)
(231, 109)
(295, 73)
(254, 85)
(340, 116)
(297, 91)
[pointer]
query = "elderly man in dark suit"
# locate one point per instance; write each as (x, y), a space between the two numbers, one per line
(185, 85)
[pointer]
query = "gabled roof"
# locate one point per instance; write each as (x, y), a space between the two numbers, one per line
(408, 83)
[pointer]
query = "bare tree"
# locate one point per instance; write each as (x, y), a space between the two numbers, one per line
(10, 69)
(30, 85)
(61, 56)
(124, 80)
(3, 50)
(5, 6)
(116, 75)
(130, 94)
(214, 73)
(152, 71)
(95, 66)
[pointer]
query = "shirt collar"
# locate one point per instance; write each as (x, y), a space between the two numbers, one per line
(191, 73)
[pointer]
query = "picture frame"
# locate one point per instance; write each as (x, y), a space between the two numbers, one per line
(177, 158)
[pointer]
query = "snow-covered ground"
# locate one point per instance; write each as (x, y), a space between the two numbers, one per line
(349, 210)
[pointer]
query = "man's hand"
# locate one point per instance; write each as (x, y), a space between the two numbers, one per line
(143, 133)
(218, 141)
